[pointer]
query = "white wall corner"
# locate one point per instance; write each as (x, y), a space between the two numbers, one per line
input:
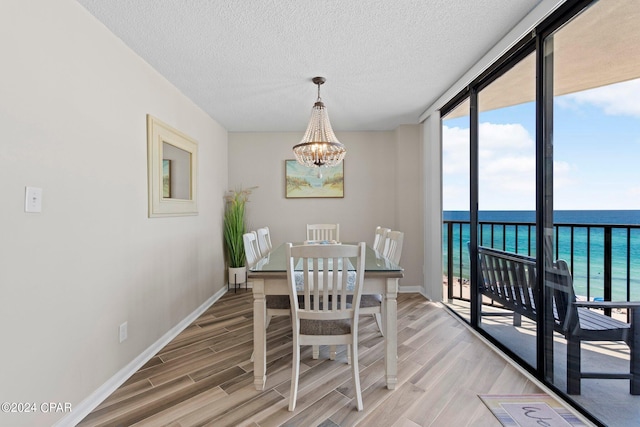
(432, 160)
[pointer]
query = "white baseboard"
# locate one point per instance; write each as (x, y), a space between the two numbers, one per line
(85, 407)
(412, 290)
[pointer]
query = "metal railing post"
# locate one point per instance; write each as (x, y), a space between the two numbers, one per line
(607, 268)
(450, 259)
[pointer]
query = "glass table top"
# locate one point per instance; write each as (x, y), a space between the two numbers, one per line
(276, 262)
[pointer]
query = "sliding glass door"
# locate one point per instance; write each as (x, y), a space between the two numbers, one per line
(456, 194)
(506, 200)
(541, 166)
(592, 195)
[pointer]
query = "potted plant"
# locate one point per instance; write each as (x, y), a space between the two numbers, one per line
(234, 228)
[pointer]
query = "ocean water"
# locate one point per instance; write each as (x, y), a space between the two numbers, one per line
(588, 245)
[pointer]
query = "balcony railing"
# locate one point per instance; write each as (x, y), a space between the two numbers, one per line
(604, 258)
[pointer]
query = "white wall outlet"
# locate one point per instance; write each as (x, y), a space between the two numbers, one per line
(33, 199)
(123, 332)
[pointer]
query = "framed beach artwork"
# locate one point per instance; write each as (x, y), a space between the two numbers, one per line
(323, 182)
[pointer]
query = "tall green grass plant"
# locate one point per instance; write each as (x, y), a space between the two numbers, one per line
(234, 226)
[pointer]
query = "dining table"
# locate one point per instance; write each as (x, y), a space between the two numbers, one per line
(269, 277)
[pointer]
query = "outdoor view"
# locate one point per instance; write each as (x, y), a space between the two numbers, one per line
(595, 134)
(596, 175)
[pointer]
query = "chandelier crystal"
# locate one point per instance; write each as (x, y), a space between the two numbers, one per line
(319, 145)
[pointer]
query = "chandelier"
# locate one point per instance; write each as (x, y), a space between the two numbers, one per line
(319, 145)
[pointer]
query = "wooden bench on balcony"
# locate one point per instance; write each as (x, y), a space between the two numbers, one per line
(511, 280)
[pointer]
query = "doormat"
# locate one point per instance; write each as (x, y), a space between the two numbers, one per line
(529, 410)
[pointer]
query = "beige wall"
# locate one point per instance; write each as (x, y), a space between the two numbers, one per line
(73, 101)
(432, 160)
(409, 205)
(382, 187)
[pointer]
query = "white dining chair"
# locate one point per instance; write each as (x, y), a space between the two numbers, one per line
(372, 304)
(277, 305)
(251, 251)
(392, 250)
(393, 246)
(325, 317)
(264, 240)
(323, 232)
(380, 237)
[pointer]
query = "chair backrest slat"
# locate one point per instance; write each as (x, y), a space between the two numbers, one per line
(323, 232)
(380, 237)
(251, 251)
(264, 240)
(393, 246)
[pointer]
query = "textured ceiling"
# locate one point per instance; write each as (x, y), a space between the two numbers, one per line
(249, 63)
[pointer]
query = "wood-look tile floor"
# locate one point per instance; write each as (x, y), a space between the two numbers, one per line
(204, 377)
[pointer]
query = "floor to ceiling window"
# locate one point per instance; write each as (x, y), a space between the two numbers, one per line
(592, 78)
(540, 161)
(506, 193)
(455, 193)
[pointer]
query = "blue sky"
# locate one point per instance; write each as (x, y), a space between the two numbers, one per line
(596, 153)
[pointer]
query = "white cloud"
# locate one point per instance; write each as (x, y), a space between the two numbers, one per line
(455, 151)
(499, 167)
(510, 137)
(456, 197)
(507, 167)
(563, 176)
(634, 192)
(508, 173)
(620, 99)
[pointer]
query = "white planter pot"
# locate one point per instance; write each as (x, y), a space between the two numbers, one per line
(237, 275)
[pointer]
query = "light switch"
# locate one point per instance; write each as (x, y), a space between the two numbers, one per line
(33, 199)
